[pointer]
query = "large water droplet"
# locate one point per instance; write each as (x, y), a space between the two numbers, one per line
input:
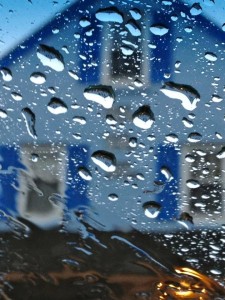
(143, 117)
(210, 56)
(113, 197)
(50, 57)
(3, 114)
(159, 29)
(105, 160)
(101, 94)
(133, 28)
(166, 172)
(85, 173)
(16, 96)
(194, 137)
(135, 13)
(221, 153)
(29, 118)
(73, 75)
(6, 74)
(186, 220)
(188, 96)
(80, 120)
(195, 9)
(151, 209)
(37, 78)
(192, 183)
(57, 106)
(110, 14)
(172, 138)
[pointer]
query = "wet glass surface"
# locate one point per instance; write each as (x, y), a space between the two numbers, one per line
(112, 155)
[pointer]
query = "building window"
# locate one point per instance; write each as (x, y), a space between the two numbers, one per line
(203, 183)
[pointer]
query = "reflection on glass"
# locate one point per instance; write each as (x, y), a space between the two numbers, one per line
(111, 128)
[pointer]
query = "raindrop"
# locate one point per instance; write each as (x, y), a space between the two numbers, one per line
(105, 160)
(57, 106)
(216, 272)
(166, 172)
(101, 94)
(133, 28)
(194, 137)
(84, 23)
(85, 173)
(159, 29)
(210, 56)
(80, 120)
(195, 9)
(185, 93)
(140, 176)
(6, 74)
(16, 96)
(37, 78)
(223, 27)
(143, 117)
(110, 14)
(135, 13)
(221, 153)
(3, 114)
(192, 183)
(133, 142)
(189, 158)
(186, 220)
(50, 57)
(151, 209)
(172, 138)
(73, 75)
(110, 120)
(113, 197)
(126, 50)
(29, 118)
(216, 98)
(34, 157)
(187, 123)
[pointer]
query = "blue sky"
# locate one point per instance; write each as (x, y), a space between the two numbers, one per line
(20, 18)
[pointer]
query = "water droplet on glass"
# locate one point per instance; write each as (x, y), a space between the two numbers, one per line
(159, 29)
(223, 27)
(192, 183)
(133, 28)
(37, 78)
(210, 56)
(143, 117)
(29, 118)
(187, 123)
(195, 9)
(166, 172)
(194, 137)
(57, 106)
(135, 13)
(50, 57)
(133, 142)
(73, 75)
(189, 158)
(84, 22)
(101, 94)
(80, 120)
(221, 153)
(140, 176)
(110, 120)
(188, 96)
(3, 114)
(16, 96)
(85, 173)
(216, 99)
(105, 160)
(186, 220)
(151, 209)
(113, 197)
(126, 50)
(6, 74)
(110, 14)
(34, 157)
(172, 138)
